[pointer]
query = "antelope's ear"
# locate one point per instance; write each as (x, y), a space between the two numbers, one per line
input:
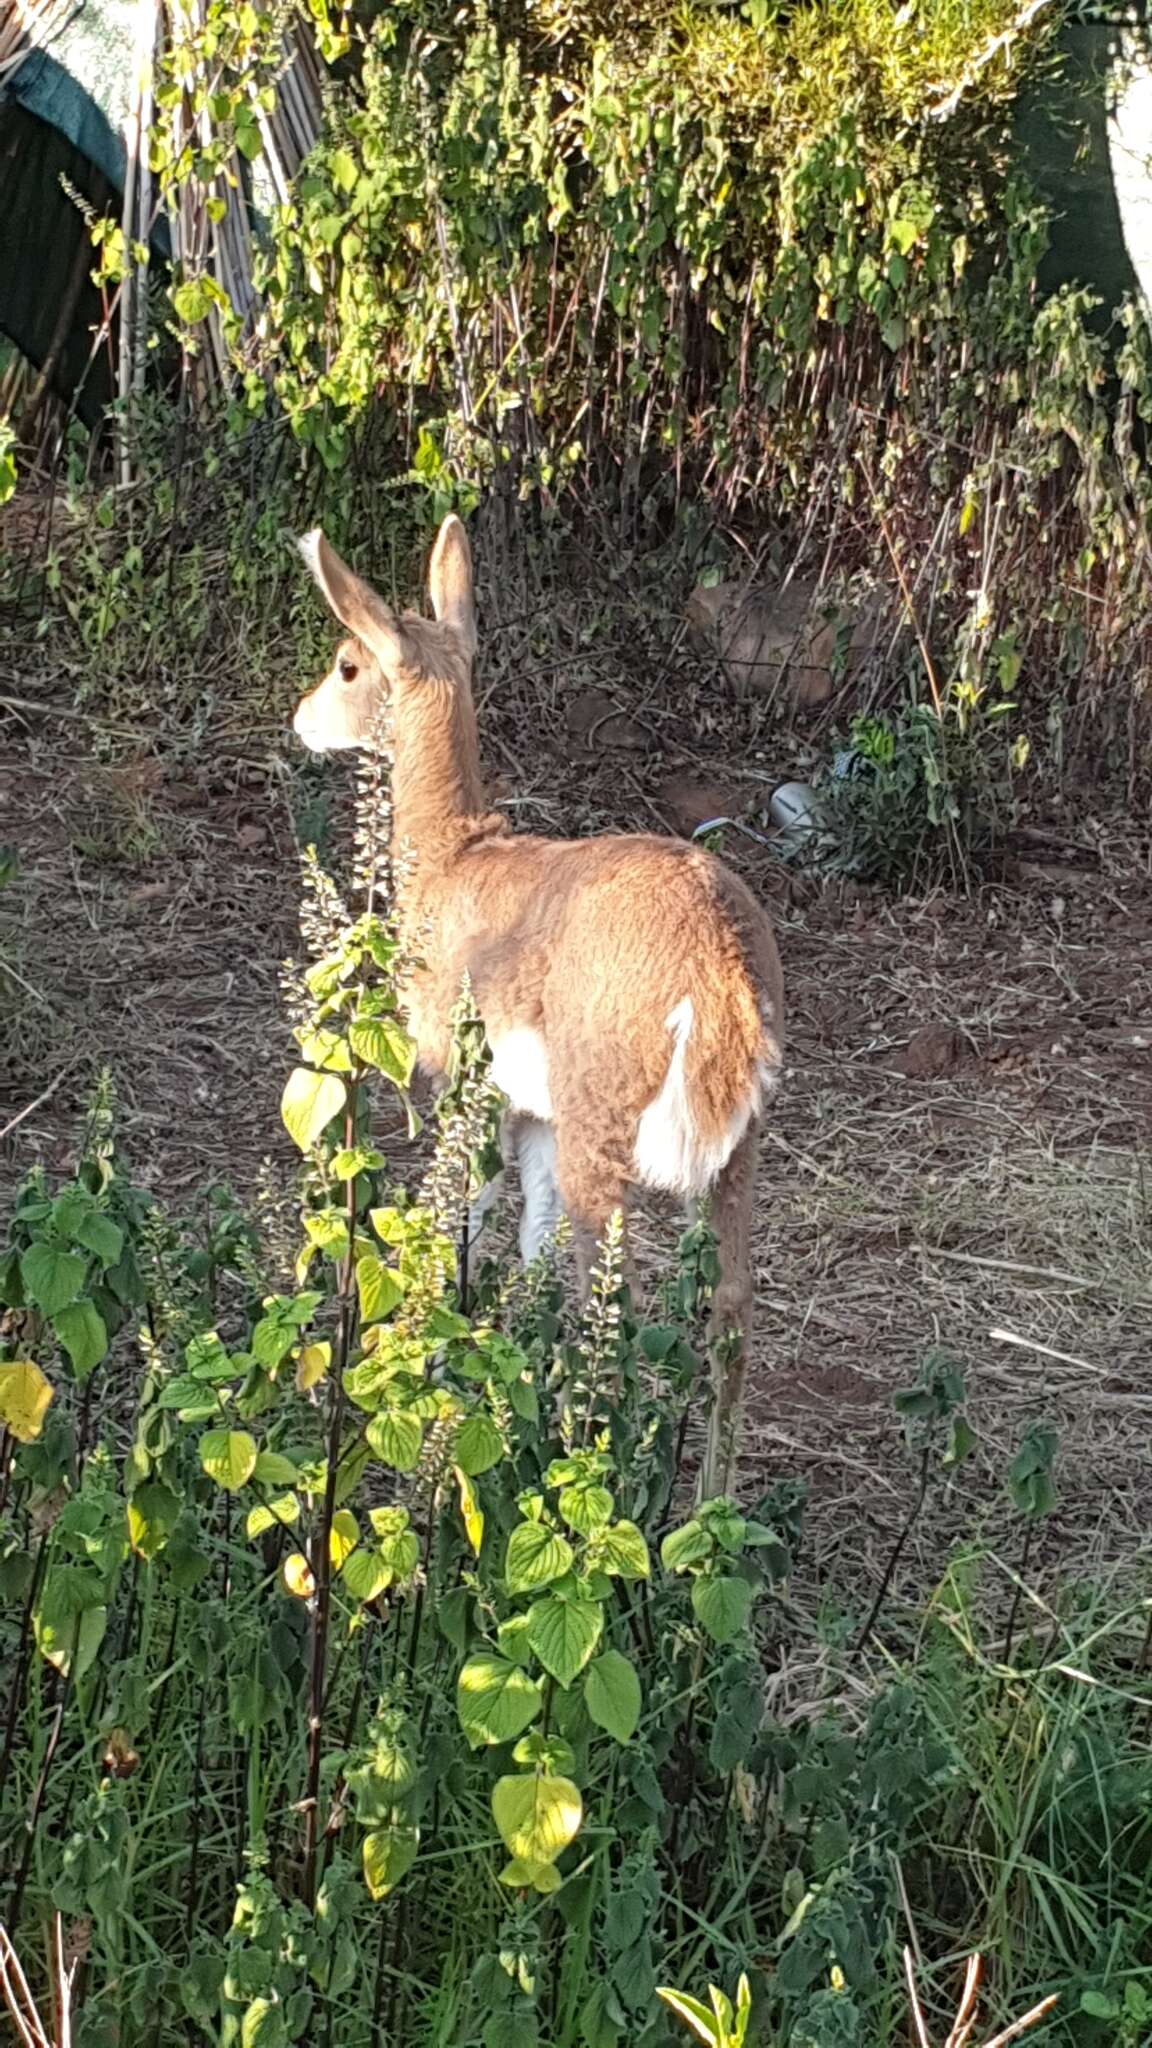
(450, 581)
(355, 604)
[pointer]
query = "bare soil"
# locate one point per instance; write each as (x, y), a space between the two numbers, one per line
(962, 1155)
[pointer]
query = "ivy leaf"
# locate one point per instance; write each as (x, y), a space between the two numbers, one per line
(51, 1278)
(309, 1103)
(563, 1634)
(721, 1606)
(396, 1438)
(25, 1395)
(536, 1556)
(479, 1445)
(389, 1854)
(495, 1700)
(379, 1286)
(612, 1695)
(229, 1457)
(536, 1817)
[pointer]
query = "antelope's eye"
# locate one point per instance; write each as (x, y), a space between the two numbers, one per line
(348, 670)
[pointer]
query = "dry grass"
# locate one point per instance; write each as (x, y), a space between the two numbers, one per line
(961, 1155)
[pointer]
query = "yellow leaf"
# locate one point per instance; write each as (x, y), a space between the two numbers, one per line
(537, 1817)
(24, 1398)
(343, 1537)
(472, 1512)
(296, 1576)
(311, 1365)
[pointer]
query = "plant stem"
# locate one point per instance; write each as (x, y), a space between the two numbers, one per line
(20, 1675)
(34, 1812)
(897, 1552)
(378, 1990)
(1018, 1593)
(197, 1810)
(322, 1542)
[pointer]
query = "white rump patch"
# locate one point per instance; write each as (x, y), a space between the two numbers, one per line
(669, 1153)
(520, 1071)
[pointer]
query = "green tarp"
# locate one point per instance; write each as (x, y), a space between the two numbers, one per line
(62, 118)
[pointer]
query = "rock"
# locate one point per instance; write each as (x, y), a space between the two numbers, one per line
(771, 641)
(597, 720)
(933, 1051)
(688, 803)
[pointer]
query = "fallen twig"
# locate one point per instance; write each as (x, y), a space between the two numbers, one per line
(964, 2023)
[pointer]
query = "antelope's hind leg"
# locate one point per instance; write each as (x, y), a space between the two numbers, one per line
(536, 1156)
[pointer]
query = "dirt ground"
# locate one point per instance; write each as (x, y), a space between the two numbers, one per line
(962, 1155)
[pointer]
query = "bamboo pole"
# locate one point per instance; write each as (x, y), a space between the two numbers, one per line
(146, 206)
(131, 294)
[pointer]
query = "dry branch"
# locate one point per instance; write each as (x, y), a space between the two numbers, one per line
(960, 2032)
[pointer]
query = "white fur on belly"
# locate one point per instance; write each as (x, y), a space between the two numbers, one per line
(669, 1152)
(520, 1071)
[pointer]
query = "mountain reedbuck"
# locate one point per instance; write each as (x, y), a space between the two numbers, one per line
(629, 986)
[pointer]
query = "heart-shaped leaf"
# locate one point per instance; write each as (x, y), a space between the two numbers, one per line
(389, 1854)
(563, 1634)
(536, 1556)
(229, 1457)
(612, 1695)
(721, 1606)
(479, 1445)
(495, 1700)
(536, 1817)
(309, 1103)
(51, 1278)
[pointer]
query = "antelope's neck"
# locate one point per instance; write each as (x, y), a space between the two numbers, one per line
(437, 792)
